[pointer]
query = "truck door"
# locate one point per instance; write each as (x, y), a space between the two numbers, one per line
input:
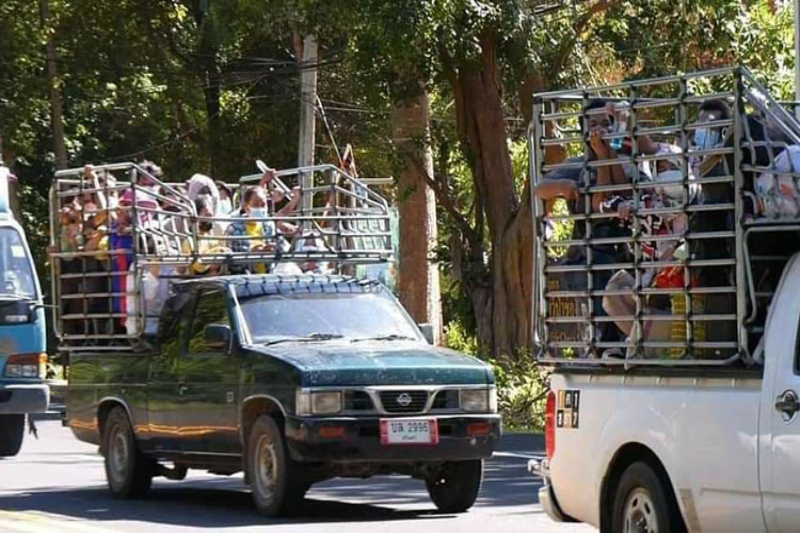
(780, 407)
(162, 387)
(208, 384)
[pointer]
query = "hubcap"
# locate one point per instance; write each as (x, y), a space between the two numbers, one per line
(640, 513)
(265, 467)
(118, 454)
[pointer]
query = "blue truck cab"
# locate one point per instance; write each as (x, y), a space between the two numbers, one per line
(22, 330)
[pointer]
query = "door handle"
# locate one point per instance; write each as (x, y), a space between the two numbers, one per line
(788, 403)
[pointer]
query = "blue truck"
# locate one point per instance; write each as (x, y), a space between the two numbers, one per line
(23, 358)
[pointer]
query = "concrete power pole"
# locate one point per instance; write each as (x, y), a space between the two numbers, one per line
(308, 102)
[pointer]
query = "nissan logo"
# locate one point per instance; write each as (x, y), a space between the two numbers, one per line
(404, 399)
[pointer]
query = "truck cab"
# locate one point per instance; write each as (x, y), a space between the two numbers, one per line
(22, 331)
(290, 378)
(694, 428)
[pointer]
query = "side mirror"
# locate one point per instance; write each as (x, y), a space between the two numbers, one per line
(427, 332)
(218, 336)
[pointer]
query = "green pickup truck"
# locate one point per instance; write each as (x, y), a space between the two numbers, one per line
(293, 380)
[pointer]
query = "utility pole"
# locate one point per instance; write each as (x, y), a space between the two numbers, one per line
(308, 102)
(797, 56)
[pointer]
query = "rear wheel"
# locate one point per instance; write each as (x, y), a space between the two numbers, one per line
(643, 503)
(12, 430)
(455, 486)
(277, 482)
(128, 472)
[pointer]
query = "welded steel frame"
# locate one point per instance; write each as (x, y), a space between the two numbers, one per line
(744, 91)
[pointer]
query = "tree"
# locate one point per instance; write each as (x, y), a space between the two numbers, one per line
(472, 51)
(418, 283)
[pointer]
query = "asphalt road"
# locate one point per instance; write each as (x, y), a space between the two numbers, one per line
(57, 484)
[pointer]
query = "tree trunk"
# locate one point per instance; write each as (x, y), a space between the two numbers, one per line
(418, 282)
(54, 89)
(502, 307)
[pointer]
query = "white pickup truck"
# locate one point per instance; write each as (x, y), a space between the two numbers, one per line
(712, 451)
(686, 440)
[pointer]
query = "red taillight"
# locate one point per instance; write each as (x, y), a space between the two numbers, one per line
(550, 425)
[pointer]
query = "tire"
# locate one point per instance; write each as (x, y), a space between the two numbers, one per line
(455, 486)
(128, 472)
(643, 501)
(277, 483)
(12, 431)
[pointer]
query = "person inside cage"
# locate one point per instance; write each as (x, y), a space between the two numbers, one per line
(256, 229)
(207, 242)
(599, 119)
(663, 205)
(117, 246)
(97, 206)
(226, 199)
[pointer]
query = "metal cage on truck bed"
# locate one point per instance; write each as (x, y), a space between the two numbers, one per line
(689, 270)
(118, 232)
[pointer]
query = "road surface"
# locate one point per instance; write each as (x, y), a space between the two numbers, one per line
(57, 484)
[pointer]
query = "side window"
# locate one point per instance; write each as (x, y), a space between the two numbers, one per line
(173, 324)
(211, 308)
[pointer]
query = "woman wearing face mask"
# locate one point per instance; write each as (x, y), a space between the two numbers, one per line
(256, 231)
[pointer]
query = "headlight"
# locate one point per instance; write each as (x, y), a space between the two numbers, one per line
(33, 365)
(479, 400)
(318, 403)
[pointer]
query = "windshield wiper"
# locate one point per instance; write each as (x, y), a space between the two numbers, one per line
(392, 337)
(310, 338)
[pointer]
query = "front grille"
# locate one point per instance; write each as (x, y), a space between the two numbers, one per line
(356, 400)
(415, 401)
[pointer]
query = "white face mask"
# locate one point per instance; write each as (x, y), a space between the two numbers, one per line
(671, 176)
(225, 207)
(258, 212)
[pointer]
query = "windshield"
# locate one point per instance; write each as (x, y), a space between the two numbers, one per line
(318, 317)
(16, 275)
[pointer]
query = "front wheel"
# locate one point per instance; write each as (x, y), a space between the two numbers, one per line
(277, 482)
(12, 431)
(643, 504)
(128, 472)
(455, 486)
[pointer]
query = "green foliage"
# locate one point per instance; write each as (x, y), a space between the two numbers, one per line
(521, 390)
(458, 338)
(521, 384)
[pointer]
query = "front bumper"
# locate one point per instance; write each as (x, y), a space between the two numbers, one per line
(21, 398)
(361, 441)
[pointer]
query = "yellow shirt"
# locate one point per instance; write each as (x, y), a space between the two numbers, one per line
(204, 246)
(256, 229)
